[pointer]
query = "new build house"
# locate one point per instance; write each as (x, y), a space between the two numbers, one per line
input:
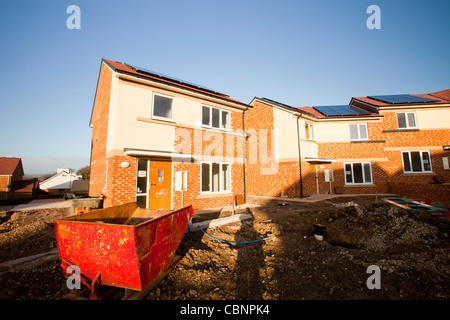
(375, 144)
(166, 143)
(163, 142)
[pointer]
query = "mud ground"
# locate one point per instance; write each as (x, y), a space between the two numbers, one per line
(412, 252)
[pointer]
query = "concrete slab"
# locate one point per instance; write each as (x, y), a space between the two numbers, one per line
(209, 224)
(43, 204)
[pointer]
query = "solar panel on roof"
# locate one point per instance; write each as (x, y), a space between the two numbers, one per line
(340, 110)
(153, 73)
(400, 98)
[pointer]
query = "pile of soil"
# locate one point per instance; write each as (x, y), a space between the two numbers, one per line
(410, 250)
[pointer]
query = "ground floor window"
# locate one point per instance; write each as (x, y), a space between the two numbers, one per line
(215, 177)
(416, 161)
(358, 173)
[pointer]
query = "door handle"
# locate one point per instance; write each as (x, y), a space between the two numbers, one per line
(153, 184)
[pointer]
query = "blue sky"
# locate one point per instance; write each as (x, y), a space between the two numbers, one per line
(301, 53)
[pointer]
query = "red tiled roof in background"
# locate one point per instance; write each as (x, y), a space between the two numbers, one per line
(443, 94)
(8, 165)
(311, 111)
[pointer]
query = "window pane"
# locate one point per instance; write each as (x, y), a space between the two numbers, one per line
(215, 117)
(354, 132)
(311, 131)
(142, 176)
(141, 202)
(416, 161)
(160, 175)
(357, 173)
(362, 131)
(225, 120)
(162, 107)
(205, 116)
(411, 119)
(307, 131)
(406, 163)
(348, 173)
(205, 177)
(215, 177)
(226, 177)
(401, 120)
(367, 173)
(426, 161)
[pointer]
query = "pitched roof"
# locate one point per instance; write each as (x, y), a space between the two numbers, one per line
(441, 97)
(443, 94)
(9, 165)
(311, 111)
(154, 76)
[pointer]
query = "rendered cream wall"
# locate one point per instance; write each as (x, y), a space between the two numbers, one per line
(131, 100)
(285, 122)
(125, 131)
(329, 132)
(433, 118)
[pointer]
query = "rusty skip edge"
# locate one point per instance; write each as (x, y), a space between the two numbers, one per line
(127, 256)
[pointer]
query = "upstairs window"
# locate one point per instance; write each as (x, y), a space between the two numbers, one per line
(416, 161)
(358, 131)
(162, 107)
(215, 118)
(406, 120)
(309, 131)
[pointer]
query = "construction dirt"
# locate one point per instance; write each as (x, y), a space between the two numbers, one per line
(361, 235)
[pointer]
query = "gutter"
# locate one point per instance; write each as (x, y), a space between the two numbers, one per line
(244, 136)
(299, 115)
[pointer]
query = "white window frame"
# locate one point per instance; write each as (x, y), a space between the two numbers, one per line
(363, 172)
(228, 128)
(421, 161)
(358, 126)
(310, 128)
(153, 107)
(221, 190)
(408, 126)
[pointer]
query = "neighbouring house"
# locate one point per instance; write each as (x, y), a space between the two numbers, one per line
(11, 170)
(59, 183)
(26, 188)
(163, 142)
(11, 184)
(80, 187)
(375, 144)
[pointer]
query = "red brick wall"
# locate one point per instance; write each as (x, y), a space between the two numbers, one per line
(386, 165)
(392, 169)
(283, 180)
(201, 144)
(120, 181)
(99, 134)
(437, 193)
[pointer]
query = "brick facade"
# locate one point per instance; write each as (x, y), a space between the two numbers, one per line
(118, 183)
(99, 123)
(383, 150)
(264, 177)
(297, 173)
(436, 193)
